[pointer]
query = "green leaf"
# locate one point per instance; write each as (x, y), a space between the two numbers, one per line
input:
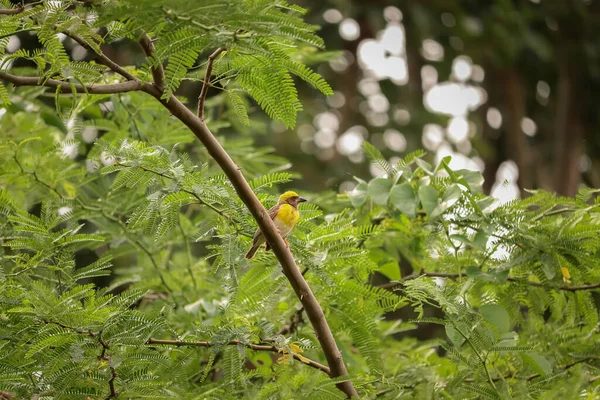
(487, 205)
(508, 339)
(549, 265)
(391, 270)
(473, 179)
(425, 166)
(429, 198)
(4, 98)
(539, 363)
(375, 156)
(480, 240)
(358, 196)
(404, 199)
(497, 316)
(452, 195)
(455, 337)
(379, 190)
(460, 238)
(237, 105)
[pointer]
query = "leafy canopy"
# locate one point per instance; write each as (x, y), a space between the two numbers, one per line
(122, 269)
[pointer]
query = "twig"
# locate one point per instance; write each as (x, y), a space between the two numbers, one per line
(532, 377)
(464, 225)
(188, 252)
(483, 361)
(205, 84)
(154, 264)
(295, 320)
(9, 34)
(391, 285)
(256, 347)
(190, 192)
(67, 87)
(103, 59)
(102, 356)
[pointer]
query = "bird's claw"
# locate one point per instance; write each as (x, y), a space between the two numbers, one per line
(286, 243)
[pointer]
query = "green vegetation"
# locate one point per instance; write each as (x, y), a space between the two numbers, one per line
(122, 269)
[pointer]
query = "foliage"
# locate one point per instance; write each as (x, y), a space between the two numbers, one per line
(122, 269)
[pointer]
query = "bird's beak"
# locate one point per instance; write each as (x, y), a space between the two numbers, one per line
(301, 200)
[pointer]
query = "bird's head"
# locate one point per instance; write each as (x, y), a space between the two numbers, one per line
(291, 198)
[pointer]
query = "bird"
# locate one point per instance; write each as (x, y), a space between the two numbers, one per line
(285, 215)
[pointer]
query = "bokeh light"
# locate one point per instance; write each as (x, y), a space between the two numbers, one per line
(349, 29)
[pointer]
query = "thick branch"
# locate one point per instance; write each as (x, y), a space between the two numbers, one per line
(158, 74)
(66, 87)
(5, 395)
(11, 11)
(209, 67)
(256, 347)
(391, 285)
(290, 269)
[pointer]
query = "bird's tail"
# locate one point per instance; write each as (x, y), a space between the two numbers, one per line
(252, 251)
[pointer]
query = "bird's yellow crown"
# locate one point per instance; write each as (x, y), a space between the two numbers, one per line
(288, 195)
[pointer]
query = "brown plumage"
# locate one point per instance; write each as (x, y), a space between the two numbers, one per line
(285, 216)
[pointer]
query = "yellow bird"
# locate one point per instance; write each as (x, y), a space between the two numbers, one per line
(285, 215)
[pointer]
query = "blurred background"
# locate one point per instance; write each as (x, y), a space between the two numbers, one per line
(508, 87)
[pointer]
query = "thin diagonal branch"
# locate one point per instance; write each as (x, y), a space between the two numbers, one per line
(292, 327)
(103, 59)
(481, 358)
(391, 285)
(13, 33)
(158, 74)
(205, 83)
(532, 377)
(256, 347)
(192, 193)
(67, 87)
(103, 356)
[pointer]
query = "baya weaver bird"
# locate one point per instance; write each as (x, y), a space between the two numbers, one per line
(285, 215)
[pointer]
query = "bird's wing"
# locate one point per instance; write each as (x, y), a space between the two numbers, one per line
(272, 214)
(274, 210)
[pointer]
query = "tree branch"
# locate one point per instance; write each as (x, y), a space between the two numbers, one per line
(103, 59)
(158, 74)
(256, 347)
(290, 269)
(5, 395)
(292, 327)
(67, 87)
(204, 90)
(102, 356)
(11, 11)
(532, 377)
(391, 285)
